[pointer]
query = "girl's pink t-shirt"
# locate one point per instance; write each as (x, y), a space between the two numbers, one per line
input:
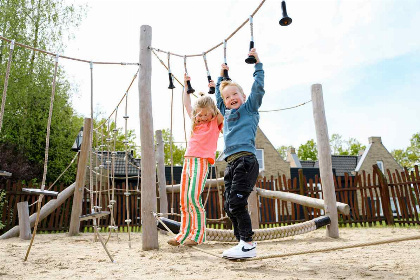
(203, 141)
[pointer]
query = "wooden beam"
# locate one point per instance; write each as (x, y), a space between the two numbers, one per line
(302, 200)
(47, 209)
(324, 157)
(148, 162)
(80, 178)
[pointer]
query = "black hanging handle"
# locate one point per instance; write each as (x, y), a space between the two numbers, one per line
(212, 90)
(190, 89)
(171, 83)
(226, 75)
(251, 59)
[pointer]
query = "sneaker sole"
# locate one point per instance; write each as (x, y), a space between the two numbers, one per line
(237, 258)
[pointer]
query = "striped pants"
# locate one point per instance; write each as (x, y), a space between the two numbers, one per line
(193, 214)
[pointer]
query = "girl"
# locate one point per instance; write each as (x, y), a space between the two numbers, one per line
(207, 123)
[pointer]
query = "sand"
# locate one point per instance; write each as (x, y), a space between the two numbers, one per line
(57, 256)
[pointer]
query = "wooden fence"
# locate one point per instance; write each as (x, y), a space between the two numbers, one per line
(390, 199)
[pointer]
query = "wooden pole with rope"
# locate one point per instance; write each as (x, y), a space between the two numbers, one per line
(80, 179)
(148, 162)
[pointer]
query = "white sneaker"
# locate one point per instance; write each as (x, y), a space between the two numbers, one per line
(241, 251)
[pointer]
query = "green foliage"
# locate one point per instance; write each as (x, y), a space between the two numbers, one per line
(283, 151)
(105, 132)
(351, 147)
(308, 151)
(177, 151)
(411, 155)
(41, 24)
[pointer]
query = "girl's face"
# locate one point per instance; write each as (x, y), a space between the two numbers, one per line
(203, 115)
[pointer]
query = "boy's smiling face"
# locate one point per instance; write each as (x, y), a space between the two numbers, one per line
(232, 97)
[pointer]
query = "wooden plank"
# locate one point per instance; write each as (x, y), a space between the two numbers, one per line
(94, 215)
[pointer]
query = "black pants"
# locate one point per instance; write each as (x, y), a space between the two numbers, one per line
(240, 178)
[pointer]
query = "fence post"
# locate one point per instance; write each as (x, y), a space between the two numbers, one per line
(324, 157)
(80, 178)
(24, 224)
(385, 197)
(302, 192)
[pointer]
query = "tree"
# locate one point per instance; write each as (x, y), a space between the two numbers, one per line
(336, 144)
(177, 152)
(308, 151)
(41, 24)
(283, 151)
(410, 156)
(351, 147)
(354, 147)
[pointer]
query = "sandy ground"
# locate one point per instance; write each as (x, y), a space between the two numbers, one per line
(57, 256)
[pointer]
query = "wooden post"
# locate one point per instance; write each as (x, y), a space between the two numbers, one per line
(80, 178)
(253, 206)
(148, 162)
(324, 157)
(385, 197)
(302, 192)
(24, 224)
(47, 209)
(160, 153)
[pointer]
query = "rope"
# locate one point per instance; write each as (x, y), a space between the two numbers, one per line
(356, 245)
(218, 45)
(62, 173)
(6, 81)
(265, 111)
(67, 57)
(163, 63)
(172, 158)
(263, 234)
(116, 108)
(47, 145)
(127, 194)
(173, 234)
(208, 191)
(91, 139)
(219, 193)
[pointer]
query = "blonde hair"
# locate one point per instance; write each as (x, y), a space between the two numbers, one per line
(204, 101)
(232, 84)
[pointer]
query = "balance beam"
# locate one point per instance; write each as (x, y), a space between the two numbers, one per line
(302, 200)
(47, 209)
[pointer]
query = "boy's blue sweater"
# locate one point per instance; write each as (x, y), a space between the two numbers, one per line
(240, 125)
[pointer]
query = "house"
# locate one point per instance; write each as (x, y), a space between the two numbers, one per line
(103, 165)
(269, 159)
(375, 153)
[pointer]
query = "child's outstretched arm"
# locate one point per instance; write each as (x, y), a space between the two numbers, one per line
(219, 98)
(187, 98)
(254, 100)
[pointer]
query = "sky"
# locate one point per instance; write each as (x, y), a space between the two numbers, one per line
(366, 55)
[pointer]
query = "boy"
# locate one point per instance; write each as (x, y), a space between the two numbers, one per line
(240, 126)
